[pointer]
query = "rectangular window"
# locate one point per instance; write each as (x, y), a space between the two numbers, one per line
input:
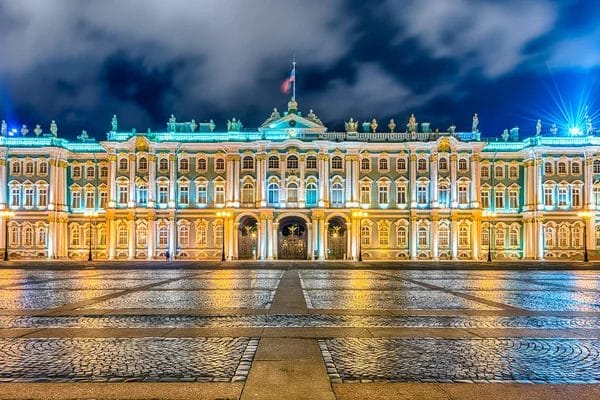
(422, 195)
(401, 237)
(42, 197)
(89, 200)
(76, 200)
(365, 195)
(163, 194)
(423, 240)
(103, 172)
(142, 195)
(485, 199)
(463, 197)
(562, 197)
(548, 196)
(103, 199)
(576, 194)
(201, 195)
(123, 195)
(485, 172)
(184, 195)
(28, 197)
(401, 195)
(513, 199)
(383, 195)
(444, 238)
(90, 173)
(499, 199)
(15, 197)
(219, 194)
(575, 168)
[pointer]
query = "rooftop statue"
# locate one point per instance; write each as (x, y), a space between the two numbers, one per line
(313, 117)
(24, 130)
(4, 128)
(452, 129)
(171, 123)
(83, 137)
(54, 128)
(373, 125)
(193, 125)
(505, 135)
(351, 126)
(538, 127)
(412, 123)
(553, 129)
(475, 126)
(234, 125)
(114, 124)
(211, 125)
(37, 130)
(392, 125)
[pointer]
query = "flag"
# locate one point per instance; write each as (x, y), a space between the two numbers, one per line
(287, 83)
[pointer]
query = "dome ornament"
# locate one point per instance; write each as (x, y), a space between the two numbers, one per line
(392, 125)
(373, 125)
(54, 128)
(4, 128)
(351, 126)
(24, 130)
(37, 130)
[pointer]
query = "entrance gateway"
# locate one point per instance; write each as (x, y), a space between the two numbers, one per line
(292, 239)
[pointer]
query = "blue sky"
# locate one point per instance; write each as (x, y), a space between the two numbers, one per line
(512, 62)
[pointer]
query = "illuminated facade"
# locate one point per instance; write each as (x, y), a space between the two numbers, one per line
(292, 190)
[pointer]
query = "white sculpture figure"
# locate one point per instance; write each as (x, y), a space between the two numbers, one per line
(475, 126)
(193, 125)
(553, 129)
(452, 129)
(24, 130)
(54, 128)
(505, 135)
(37, 130)
(412, 123)
(538, 127)
(114, 123)
(4, 128)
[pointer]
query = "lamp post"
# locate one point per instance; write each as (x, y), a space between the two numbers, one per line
(224, 215)
(360, 215)
(92, 216)
(6, 215)
(585, 216)
(490, 215)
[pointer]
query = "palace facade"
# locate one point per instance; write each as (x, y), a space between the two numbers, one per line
(293, 190)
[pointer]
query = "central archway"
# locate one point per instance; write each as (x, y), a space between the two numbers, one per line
(292, 239)
(336, 239)
(247, 239)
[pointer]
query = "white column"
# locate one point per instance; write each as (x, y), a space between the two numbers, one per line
(349, 238)
(355, 181)
(229, 180)
(112, 184)
(326, 179)
(131, 227)
(588, 190)
(132, 193)
(526, 188)
(540, 239)
(413, 182)
(538, 183)
(302, 186)
(321, 223)
(172, 180)
(151, 180)
(475, 245)
(236, 181)
(235, 236)
(475, 180)
(4, 183)
(453, 185)
(172, 238)
(263, 178)
(413, 237)
(259, 180)
(112, 237)
(274, 239)
(454, 236)
(434, 237)
(269, 238)
(309, 239)
(433, 167)
(348, 179)
(314, 238)
(151, 240)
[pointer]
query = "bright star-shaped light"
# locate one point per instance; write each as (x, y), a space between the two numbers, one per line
(574, 131)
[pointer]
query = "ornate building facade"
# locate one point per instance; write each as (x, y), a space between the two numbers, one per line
(293, 190)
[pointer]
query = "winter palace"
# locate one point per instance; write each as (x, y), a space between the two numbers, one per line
(291, 189)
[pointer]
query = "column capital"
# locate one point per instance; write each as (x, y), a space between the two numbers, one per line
(453, 157)
(476, 157)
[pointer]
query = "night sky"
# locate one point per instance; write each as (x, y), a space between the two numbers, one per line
(512, 62)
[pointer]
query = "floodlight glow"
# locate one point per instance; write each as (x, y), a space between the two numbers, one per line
(574, 131)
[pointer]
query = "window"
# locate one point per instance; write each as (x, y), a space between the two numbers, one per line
(103, 199)
(29, 168)
(485, 237)
(42, 197)
(365, 235)
(337, 195)
(274, 162)
(311, 162)
(184, 195)
(163, 165)
(443, 164)
(336, 163)
(423, 238)
(292, 193)
(28, 197)
(562, 196)
(201, 194)
(184, 236)
(499, 199)
(597, 166)
(401, 237)
(499, 238)
(576, 197)
(365, 193)
(41, 236)
(384, 236)
(311, 194)
(123, 194)
(485, 199)
(562, 168)
(513, 199)
(247, 162)
(142, 235)
(485, 172)
(142, 194)
(15, 167)
(163, 236)
(184, 165)
(143, 164)
(201, 236)
(103, 172)
(123, 164)
(220, 164)
(219, 194)
(219, 235)
(401, 164)
(563, 237)
(365, 164)
(76, 173)
(163, 194)
(575, 168)
(513, 172)
(463, 197)
(401, 195)
(444, 195)
(513, 237)
(422, 194)
(383, 194)
(463, 236)
(43, 168)
(576, 237)
(122, 236)
(75, 236)
(273, 193)
(444, 236)
(292, 162)
(76, 199)
(201, 164)
(548, 196)
(462, 165)
(90, 199)
(90, 172)
(548, 168)
(383, 164)
(15, 197)
(499, 172)
(102, 237)
(248, 193)
(422, 165)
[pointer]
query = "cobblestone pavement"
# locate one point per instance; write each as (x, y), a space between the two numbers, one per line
(132, 359)
(456, 360)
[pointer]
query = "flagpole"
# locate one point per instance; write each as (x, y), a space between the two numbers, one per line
(294, 81)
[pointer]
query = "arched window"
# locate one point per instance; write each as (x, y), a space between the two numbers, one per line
(201, 236)
(28, 236)
(273, 162)
(336, 163)
(513, 172)
(219, 235)
(292, 193)
(548, 168)
(220, 164)
(443, 164)
(443, 236)
(422, 237)
(597, 166)
(76, 174)
(401, 164)
(365, 235)
(201, 164)
(576, 237)
(422, 165)
(384, 235)
(292, 162)
(550, 237)
(485, 172)
(75, 236)
(311, 194)
(248, 162)
(15, 167)
(365, 164)
(444, 195)
(462, 164)
(163, 165)
(142, 235)
(337, 194)
(163, 236)
(248, 193)
(123, 164)
(563, 237)
(43, 168)
(513, 238)
(41, 236)
(499, 171)
(562, 168)
(103, 172)
(311, 162)
(499, 243)
(184, 164)
(273, 193)
(463, 237)
(102, 237)
(122, 237)
(143, 164)
(383, 164)
(575, 168)
(184, 236)
(401, 237)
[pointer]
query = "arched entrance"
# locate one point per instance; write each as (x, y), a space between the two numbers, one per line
(336, 239)
(248, 239)
(292, 239)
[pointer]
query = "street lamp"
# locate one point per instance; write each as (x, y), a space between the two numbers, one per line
(6, 215)
(585, 216)
(360, 215)
(224, 215)
(490, 215)
(91, 215)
